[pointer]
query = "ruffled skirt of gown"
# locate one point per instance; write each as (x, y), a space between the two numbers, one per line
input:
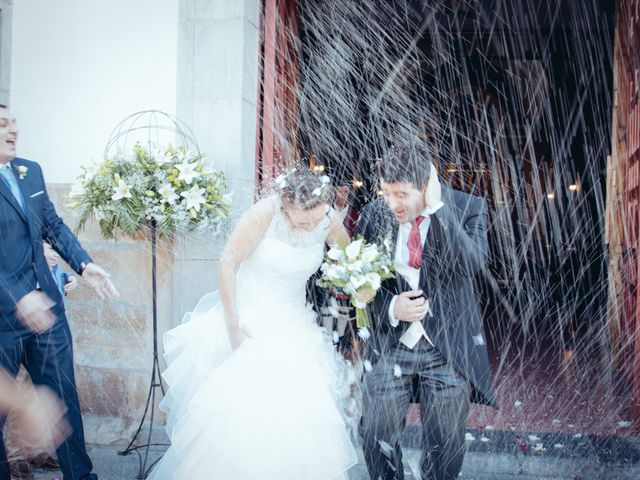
(270, 410)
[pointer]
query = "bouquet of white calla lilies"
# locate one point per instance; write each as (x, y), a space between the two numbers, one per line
(173, 187)
(357, 270)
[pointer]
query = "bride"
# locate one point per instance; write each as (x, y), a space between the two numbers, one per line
(254, 383)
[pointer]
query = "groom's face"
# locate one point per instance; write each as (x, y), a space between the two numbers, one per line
(404, 199)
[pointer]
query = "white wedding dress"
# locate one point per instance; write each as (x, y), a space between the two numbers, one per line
(272, 409)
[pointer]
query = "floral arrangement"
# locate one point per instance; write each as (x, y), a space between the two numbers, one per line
(172, 187)
(357, 270)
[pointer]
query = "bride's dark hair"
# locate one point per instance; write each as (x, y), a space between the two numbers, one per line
(303, 189)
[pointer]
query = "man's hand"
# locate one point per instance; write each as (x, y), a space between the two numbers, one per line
(34, 311)
(71, 285)
(433, 191)
(410, 306)
(100, 281)
(40, 419)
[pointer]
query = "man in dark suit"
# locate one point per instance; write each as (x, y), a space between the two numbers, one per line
(33, 326)
(426, 327)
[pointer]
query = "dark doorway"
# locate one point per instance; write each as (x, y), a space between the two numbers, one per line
(514, 101)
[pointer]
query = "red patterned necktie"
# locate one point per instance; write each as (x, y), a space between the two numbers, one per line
(415, 243)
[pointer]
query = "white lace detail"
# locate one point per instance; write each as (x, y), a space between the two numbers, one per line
(281, 229)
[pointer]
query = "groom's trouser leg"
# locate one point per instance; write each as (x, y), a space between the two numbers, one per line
(49, 361)
(444, 406)
(386, 399)
(11, 350)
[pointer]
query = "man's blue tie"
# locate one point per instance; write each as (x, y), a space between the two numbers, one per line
(10, 179)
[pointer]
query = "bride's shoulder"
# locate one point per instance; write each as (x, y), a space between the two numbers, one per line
(265, 207)
(259, 215)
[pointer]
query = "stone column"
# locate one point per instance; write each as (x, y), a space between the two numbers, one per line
(218, 45)
(6, 11)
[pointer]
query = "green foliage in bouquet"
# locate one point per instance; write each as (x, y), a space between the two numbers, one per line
(172, 187)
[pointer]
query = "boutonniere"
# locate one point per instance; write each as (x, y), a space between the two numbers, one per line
(22, 171)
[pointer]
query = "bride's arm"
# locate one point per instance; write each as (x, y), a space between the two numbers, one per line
(243, 241)
(337, 232)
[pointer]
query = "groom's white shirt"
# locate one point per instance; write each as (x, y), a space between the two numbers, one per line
(412, 275)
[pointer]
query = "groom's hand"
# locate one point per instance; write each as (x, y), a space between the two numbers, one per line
(411, 306)
(100, 281)
(433, 190)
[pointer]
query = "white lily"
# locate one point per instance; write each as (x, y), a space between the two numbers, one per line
(331, 272)
(122, 190)
(90, 171)
(370, 254)
(374, 280)
(168, 194)
(355, 266)
(194, 197)
(335, 253)
(353, 249)
(357, 281)
(187, 172)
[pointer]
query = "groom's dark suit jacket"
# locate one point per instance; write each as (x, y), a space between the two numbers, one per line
(23, 267)
(455, 250)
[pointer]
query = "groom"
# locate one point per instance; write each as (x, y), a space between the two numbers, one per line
(33, 326)
(426, 325)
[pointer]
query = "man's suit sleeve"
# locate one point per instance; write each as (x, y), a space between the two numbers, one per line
(11, 292)
(466, 241)
(60, 236)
